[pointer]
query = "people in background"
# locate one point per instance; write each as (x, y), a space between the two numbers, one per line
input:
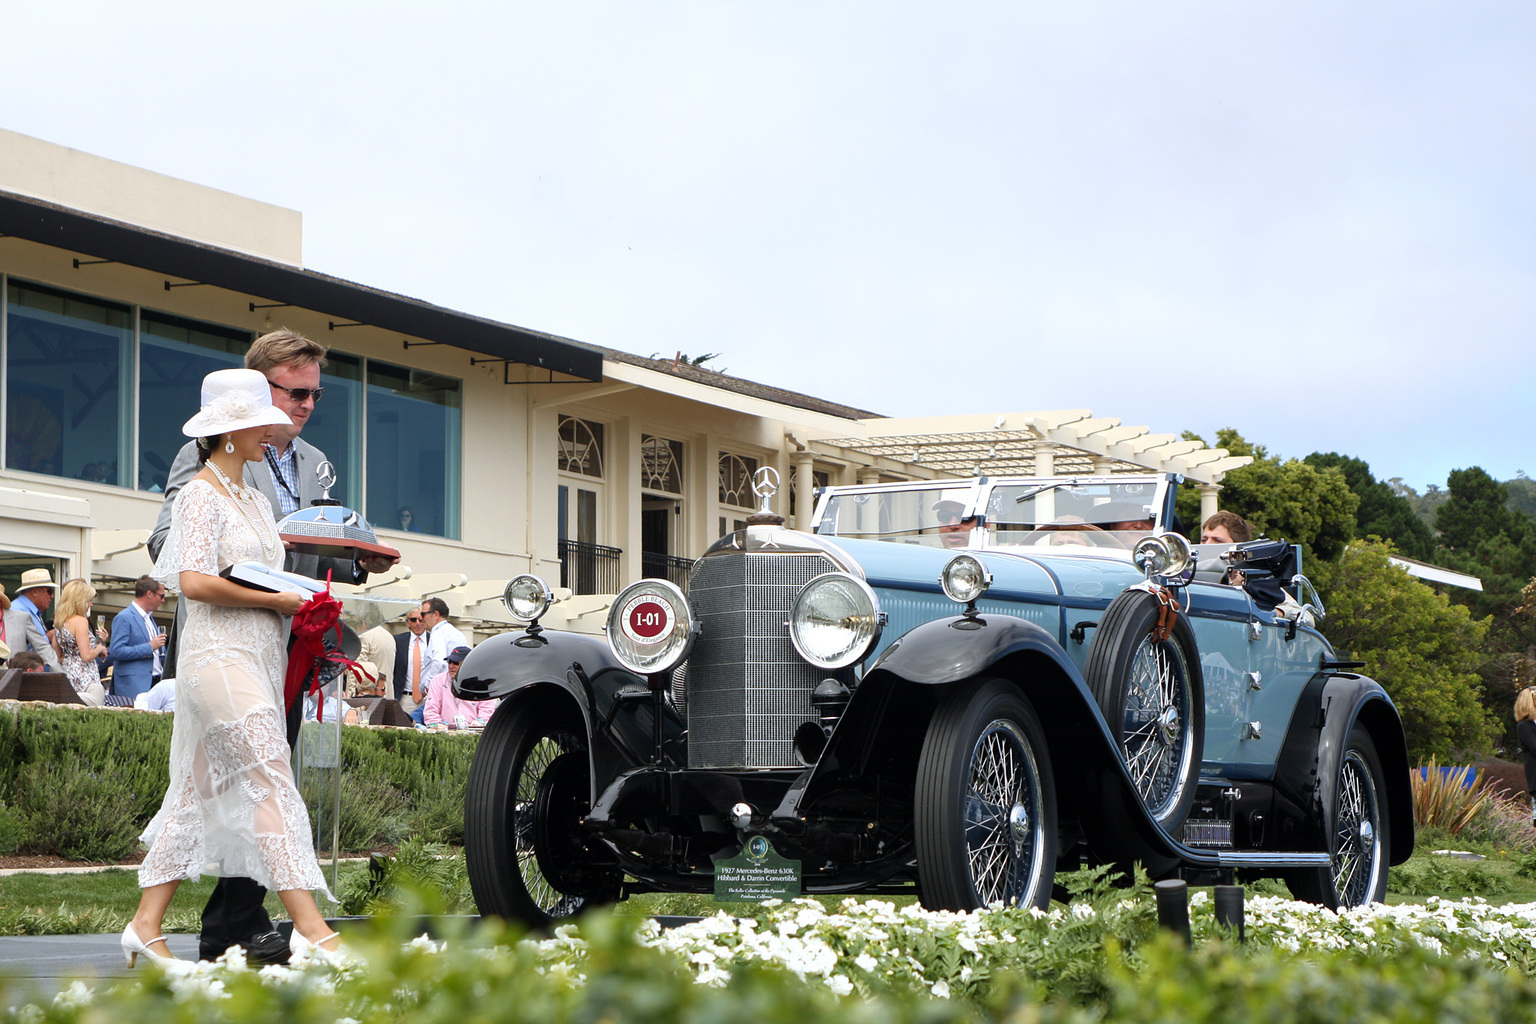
(1525, 732)
(377, 647)
(138, 643)
(407, 519)
(411, 665)
(445, 710)
(76, 646)
(1225, 528)
(954, 532)
(24, 628)
(26, 661)
(442, 636)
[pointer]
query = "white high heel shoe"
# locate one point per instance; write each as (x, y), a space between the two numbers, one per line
(301, 947)
(134, 947)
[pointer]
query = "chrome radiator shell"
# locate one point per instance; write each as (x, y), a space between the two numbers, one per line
(747, 691)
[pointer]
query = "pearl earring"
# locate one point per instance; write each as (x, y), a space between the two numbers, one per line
(229, 445)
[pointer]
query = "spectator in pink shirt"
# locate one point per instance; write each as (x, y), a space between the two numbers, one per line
(443, 708)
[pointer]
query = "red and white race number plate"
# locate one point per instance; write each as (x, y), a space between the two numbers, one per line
(646, 619)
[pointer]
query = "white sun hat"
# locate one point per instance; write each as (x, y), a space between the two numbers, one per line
(234, 400)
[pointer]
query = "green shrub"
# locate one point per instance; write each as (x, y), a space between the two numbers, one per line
(423, 875)
(1430, 875)
(400, 782)
(76, 809)
(12, 829)
(1449, 798)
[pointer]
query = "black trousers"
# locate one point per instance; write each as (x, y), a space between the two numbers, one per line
(235, 912)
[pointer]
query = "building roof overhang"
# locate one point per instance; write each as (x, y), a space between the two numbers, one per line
(102, 238)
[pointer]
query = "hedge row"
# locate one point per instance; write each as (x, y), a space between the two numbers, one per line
(82, 784)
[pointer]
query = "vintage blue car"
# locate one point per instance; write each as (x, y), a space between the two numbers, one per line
(962, 686)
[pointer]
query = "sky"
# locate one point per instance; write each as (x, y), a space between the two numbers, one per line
(1314, 223)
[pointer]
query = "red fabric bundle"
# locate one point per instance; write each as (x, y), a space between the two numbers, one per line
(316, 617)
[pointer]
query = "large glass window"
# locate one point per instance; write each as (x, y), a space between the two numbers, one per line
(69, 385)
(414, 447)
(174, 357)
(581, 447)
(335, 427)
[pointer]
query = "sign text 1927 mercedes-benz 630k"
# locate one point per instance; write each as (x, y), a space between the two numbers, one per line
(963, 686)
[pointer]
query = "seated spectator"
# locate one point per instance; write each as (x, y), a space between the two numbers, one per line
(443, 709)
(27, 661)
(334, 707)
(954, 532)
(160, 697)
(364, 680)
(1225, 528)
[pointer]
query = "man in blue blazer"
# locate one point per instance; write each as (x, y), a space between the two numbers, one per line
(138, 642)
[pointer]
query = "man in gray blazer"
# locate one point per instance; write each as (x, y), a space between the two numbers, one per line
(291, 363)
(23, 617)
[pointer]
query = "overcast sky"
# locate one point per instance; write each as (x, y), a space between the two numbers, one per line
(1313, 222)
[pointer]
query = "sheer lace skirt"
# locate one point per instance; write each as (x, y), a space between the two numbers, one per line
(232, 805)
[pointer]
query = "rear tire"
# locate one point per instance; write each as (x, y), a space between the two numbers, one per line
(529, 786)
(985, 802)
(1357, 829)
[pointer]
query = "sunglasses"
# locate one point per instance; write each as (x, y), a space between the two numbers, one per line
(299, 394)
(413, 618)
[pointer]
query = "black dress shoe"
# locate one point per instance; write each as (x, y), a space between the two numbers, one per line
(265, 949)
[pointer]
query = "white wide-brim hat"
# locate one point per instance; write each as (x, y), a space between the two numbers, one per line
(234, 400)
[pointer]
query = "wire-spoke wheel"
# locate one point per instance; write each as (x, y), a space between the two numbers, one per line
(1153, 701)
(985, 803)
(528, 789)
(1357, 833)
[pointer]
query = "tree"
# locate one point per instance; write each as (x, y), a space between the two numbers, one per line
(1476, 509)
(1288, 500)
(1383, 512)
(1422, 648)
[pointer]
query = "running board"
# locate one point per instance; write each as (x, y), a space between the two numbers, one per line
(1273, 860)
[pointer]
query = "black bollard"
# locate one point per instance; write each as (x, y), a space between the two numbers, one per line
(1229, 909)
(1173, 906)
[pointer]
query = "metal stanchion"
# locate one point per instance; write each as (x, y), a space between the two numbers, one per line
(1229, 909)
(1173, 906)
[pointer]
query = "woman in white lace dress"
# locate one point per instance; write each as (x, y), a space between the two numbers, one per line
(232, 802)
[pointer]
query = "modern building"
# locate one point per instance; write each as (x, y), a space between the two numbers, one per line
(513, 450)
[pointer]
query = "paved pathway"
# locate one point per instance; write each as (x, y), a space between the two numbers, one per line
(44, 964)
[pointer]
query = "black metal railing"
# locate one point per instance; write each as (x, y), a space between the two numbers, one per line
(666, 567)
(589, 568)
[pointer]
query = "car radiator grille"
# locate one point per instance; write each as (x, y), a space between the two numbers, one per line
(747, 689)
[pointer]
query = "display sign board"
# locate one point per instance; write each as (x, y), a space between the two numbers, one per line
(757, 873)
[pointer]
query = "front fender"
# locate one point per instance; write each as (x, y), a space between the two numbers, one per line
(949, 650)
(883, 728)
(579, 674)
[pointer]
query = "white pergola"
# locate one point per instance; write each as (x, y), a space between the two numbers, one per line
(1062, 442)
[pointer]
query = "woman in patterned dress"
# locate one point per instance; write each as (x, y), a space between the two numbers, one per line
(232, 799)
(75, 644)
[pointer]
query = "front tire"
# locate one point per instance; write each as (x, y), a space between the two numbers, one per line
(985, 802)
(1153, 700)
(1357, 829)
(529, 786)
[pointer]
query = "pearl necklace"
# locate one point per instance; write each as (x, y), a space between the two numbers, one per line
(244, 500)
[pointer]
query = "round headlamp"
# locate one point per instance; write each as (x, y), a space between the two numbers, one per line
(527, 598)
(835, 621)
(965, 579)
(1167, 554)
(651, 627)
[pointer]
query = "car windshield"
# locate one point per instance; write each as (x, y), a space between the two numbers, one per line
(1108, 514)
(931, 516)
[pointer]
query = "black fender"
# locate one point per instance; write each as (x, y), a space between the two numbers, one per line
(575, 674)
(1306, 776)
(887, 717)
